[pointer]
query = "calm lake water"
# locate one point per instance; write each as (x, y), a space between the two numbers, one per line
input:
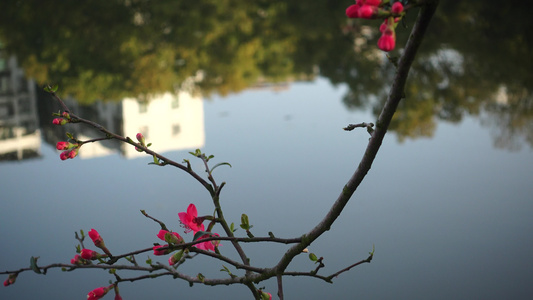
(447, 204)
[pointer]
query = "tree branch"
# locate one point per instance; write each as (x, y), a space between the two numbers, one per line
(384, 119)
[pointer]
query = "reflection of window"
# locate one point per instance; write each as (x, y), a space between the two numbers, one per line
(143, 107)
(176, 129)
(4, 84)
(7, 110)
(175, 102)
(6, 133)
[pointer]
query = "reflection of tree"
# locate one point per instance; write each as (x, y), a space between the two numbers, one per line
(110, 49)
(472, 53)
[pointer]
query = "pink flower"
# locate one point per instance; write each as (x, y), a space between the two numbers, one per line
(397, 8)
(97, 293)
(97, 239)
(190, 219)
(90, 254)
(161, 252)
(209, 245)
(172, 237)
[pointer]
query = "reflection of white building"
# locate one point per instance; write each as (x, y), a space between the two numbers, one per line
(20, 137)
(172, 121)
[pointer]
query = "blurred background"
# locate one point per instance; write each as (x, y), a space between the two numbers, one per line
(268, 86)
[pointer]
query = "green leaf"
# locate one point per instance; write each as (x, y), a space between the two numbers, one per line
(232, 227)
(51, 89)
(70, 136)
(201, 277)
(244, 221)
(199, 234)
(225, 269)
(149, 261)
(33, 265)
(312, 257)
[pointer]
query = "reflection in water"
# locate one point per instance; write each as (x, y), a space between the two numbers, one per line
(20, 136)
(179, 115)
(179, 123)
(150, 47)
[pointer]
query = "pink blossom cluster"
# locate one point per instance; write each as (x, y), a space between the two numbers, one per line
(372, 9)
(71, 149)
(86, 255)
(191, 222)
(89, 254)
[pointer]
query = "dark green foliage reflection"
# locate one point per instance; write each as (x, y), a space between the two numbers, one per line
(476, 59)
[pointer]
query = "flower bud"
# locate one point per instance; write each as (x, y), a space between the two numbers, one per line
(353, 11)
(64, 155)
(77, 260)
(170, 237)
(387, 42)
(140, 138)
(97, 239)
(397, 8)
(11, 279)
(97, 293)
(59, 121)
(69, 154)
(175, 258)
(90, 254)
(158, 252)
(368, 11)
(63, 145)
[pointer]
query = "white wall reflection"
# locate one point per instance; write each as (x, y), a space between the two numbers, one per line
(171, 121)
